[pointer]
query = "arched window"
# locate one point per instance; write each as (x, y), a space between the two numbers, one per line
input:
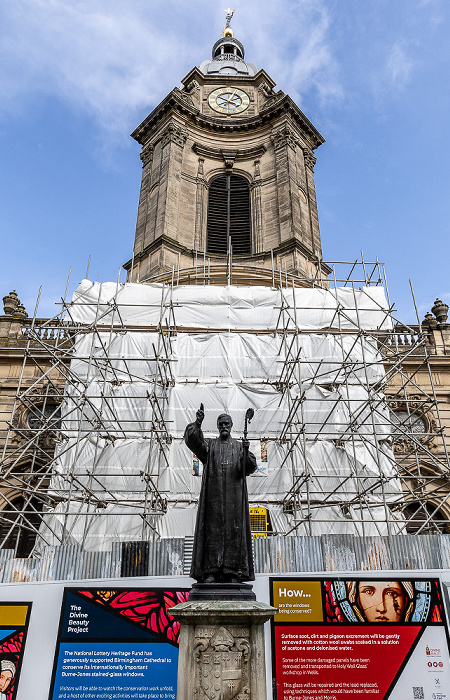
(229, 215)
(19, 522)
(417, 514)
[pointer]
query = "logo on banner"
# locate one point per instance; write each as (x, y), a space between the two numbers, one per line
(432, 652)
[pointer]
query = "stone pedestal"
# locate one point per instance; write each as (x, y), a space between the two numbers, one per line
(222, 591)
(222, 655)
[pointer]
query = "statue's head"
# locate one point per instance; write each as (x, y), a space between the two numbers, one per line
(224, 425)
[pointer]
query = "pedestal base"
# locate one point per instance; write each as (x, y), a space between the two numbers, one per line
(222, 653)
(222, 591)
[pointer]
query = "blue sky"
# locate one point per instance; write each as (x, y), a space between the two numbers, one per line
(77, 76)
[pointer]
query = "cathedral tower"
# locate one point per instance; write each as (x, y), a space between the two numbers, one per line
(228, 167)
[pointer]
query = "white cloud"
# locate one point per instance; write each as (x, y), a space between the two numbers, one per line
(113, 59)
(399, 65)
(292, 40)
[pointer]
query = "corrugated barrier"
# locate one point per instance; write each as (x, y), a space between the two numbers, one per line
(171, 557)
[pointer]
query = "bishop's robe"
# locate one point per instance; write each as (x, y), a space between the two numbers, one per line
(222, 540)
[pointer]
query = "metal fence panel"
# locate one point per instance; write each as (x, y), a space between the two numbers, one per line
(415, 552)
(62, 563)
(5, 555)
(21, 570)
(338, 552)
(97, 565)
(372, 553)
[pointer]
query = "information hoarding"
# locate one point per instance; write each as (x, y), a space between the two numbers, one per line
(117, 643)
(337, 639)
(14, 618)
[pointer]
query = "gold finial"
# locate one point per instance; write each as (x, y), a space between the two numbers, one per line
(227, 31)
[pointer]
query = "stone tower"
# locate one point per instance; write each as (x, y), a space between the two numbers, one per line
(228, 167)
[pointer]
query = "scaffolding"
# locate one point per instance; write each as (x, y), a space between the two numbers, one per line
(348, 434)
(64, 421)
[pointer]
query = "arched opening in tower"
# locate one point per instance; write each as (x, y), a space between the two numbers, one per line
(229, 220)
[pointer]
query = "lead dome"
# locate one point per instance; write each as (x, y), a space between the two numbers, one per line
(228, 59)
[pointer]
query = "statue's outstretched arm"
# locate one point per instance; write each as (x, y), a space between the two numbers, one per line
(193, 436)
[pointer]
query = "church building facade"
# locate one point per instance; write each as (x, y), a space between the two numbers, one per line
(230, 303)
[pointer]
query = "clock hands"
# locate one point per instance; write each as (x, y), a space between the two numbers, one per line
(228, 100)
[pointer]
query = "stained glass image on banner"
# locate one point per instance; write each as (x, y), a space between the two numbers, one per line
(117, 643)
(383, 601)
(14, 619)
(337, 638)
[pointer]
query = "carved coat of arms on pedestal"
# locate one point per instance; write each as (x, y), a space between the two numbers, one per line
(222, 657)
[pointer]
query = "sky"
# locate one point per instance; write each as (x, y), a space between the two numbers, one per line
(77, 76)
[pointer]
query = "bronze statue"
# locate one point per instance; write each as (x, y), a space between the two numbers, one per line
(222, 542)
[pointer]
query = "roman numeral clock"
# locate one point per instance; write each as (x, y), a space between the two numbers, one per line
(229, 100)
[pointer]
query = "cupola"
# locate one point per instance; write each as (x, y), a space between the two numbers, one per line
(228, 55)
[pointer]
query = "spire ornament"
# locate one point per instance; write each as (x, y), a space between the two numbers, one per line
(227, 31)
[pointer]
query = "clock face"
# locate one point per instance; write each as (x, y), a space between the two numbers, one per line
(229, 100)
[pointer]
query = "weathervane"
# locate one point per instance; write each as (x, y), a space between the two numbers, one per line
(230, 14)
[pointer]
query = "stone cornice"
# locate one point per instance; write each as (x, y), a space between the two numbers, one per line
(173, 102)
(178, 247)
(285, 246)
(205, 79)
(226, 154)
(154, 245)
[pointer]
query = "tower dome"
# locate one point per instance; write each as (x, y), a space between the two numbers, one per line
(228, 56)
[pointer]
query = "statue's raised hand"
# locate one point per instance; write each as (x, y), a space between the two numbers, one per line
(199, 416)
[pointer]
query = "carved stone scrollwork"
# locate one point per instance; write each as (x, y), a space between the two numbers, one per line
(174, 133)
(284, 137)
(193, 85)
(228, 158)
(38, 418)
(200, 646)
(222, 669)
(265, 89)
(412, 416)
(146, 155)
(310, 159)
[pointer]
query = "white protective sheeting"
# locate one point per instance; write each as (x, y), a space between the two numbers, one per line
(233, 357)
(339, 420)
(337, 521)
(237, 308)
(125, 410)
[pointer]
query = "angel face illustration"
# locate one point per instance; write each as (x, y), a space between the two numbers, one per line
(381, 601)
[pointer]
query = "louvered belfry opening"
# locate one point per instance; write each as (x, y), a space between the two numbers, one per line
(229, 215)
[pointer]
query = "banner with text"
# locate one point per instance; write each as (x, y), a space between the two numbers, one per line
(119, 643)
(336, 639)
(14, 618)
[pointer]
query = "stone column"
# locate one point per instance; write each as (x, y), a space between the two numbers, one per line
(285, 144)
(222, 655)
(169, 205)
(200, 208)
(256, 210)
(310, 161)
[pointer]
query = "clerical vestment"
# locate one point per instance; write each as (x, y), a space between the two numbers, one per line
(222, 541)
